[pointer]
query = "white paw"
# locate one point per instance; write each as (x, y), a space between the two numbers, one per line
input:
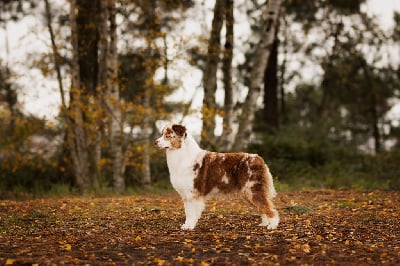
(187, 226)
(270, 223)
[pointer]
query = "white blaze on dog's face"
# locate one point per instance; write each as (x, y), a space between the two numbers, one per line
(172, 137)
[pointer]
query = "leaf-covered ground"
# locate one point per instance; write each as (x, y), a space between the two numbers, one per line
(317, 228)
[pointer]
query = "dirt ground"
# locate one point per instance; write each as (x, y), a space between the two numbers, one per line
(328, 227)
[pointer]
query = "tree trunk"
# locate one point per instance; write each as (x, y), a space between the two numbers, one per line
(376, 134)
(108, 72)
(55, 54)
(87, 26)
(146, 174)
(260, 60)
(83, 134)
(75, 129)
(210, 76)
(227, 79)
(282, 96)
(151, 65)
(271, 113)
(65, 169)
(88, 20)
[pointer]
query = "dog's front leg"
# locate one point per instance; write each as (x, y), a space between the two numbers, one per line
(193, 210)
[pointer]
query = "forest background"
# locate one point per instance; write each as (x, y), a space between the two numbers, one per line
(309, 85)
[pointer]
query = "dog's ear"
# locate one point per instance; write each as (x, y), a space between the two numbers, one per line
(179, 130)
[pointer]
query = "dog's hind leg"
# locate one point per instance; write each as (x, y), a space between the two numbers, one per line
(258, 198)
(193, 210)
(269, 215)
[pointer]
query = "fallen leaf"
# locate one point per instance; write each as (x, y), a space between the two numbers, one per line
(10, 261)
(306, 248)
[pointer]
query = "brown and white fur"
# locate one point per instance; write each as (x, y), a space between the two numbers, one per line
(198, 175)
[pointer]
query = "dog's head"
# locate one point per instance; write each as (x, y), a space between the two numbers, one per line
(172, 137)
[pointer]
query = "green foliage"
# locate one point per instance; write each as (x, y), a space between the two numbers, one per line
(327, 122)
(296, 209)
(25, 175)
(299, 161)
(26, 161)
(396, 32)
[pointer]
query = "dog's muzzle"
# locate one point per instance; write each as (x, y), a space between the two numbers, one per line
(156, 143)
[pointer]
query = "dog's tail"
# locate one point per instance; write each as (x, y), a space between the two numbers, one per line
(270, 182)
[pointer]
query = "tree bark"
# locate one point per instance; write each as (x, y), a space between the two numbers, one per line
(75, 129)
(210, 76)
(65, 169)
(376, 134)
(56, 55)
(271, 113)
(146, 178)
(260, 60)
(282, 94)
(108, 71)
(149, 8)
(87, 27)
(88, 20)
(227, 77)
(83, 135)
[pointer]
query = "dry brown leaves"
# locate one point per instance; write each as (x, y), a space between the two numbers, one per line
(317, 228)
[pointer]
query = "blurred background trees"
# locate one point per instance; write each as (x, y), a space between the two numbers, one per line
(310, 85)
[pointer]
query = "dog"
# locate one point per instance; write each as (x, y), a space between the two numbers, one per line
(198, 175)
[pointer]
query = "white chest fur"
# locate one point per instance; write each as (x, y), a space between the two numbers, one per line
(180, 164)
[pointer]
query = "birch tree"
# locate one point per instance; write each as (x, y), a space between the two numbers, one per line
(227, 77)
(108, 76)
(94, 92)
(210, 76)
(260, 59)
(75, 127)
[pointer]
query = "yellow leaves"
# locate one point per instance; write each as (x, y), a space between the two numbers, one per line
(10, 261)
(125, 230)
(159, 261)
(104, 161)
(186, 261)
(301, 247)
(306, 248)
(372, 247)
(358, 243)
(213, 205)
(50, 124)
(179, 258)
(65, 246)
(189, 260)
(308, 223)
